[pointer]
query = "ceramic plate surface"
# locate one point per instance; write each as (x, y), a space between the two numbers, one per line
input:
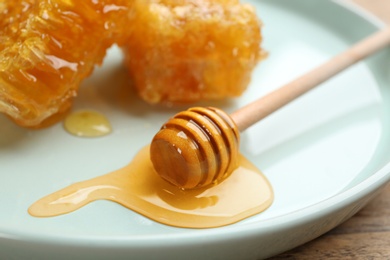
(326, 154)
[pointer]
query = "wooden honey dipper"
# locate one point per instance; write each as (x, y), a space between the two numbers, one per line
(199, 147)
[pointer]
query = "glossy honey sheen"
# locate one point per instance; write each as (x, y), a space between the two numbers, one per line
(137, 186)
(196, 148)
(87, 124)
(48, 47)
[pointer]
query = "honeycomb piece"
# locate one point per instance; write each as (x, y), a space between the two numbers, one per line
(47, 47)
(189, 50)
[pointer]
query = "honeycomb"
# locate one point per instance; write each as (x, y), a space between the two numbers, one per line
(190, 50)
(176, 51)
(48, 47)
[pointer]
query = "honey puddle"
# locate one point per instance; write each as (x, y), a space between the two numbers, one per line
(138, 187)
(87, 124)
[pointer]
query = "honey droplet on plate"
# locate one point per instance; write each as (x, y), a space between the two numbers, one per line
(87, 124)
(137, 186)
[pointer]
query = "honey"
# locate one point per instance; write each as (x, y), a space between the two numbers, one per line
(48, 47)
(188, 51)
(138, 187)
(175, 51)
(196, 148)
(87, 124)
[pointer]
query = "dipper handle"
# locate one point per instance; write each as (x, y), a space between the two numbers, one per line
(261, 108)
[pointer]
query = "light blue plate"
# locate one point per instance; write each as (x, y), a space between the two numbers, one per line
(326, 154)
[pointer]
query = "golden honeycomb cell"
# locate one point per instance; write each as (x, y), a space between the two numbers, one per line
(185, 51)
(48, 47)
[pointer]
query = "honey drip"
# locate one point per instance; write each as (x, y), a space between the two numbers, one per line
(87, 124)
(138, 187)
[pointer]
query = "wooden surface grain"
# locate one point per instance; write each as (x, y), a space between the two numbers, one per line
(367, 234)
(364, 236)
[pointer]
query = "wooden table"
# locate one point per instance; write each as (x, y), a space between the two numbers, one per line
(367, 234)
